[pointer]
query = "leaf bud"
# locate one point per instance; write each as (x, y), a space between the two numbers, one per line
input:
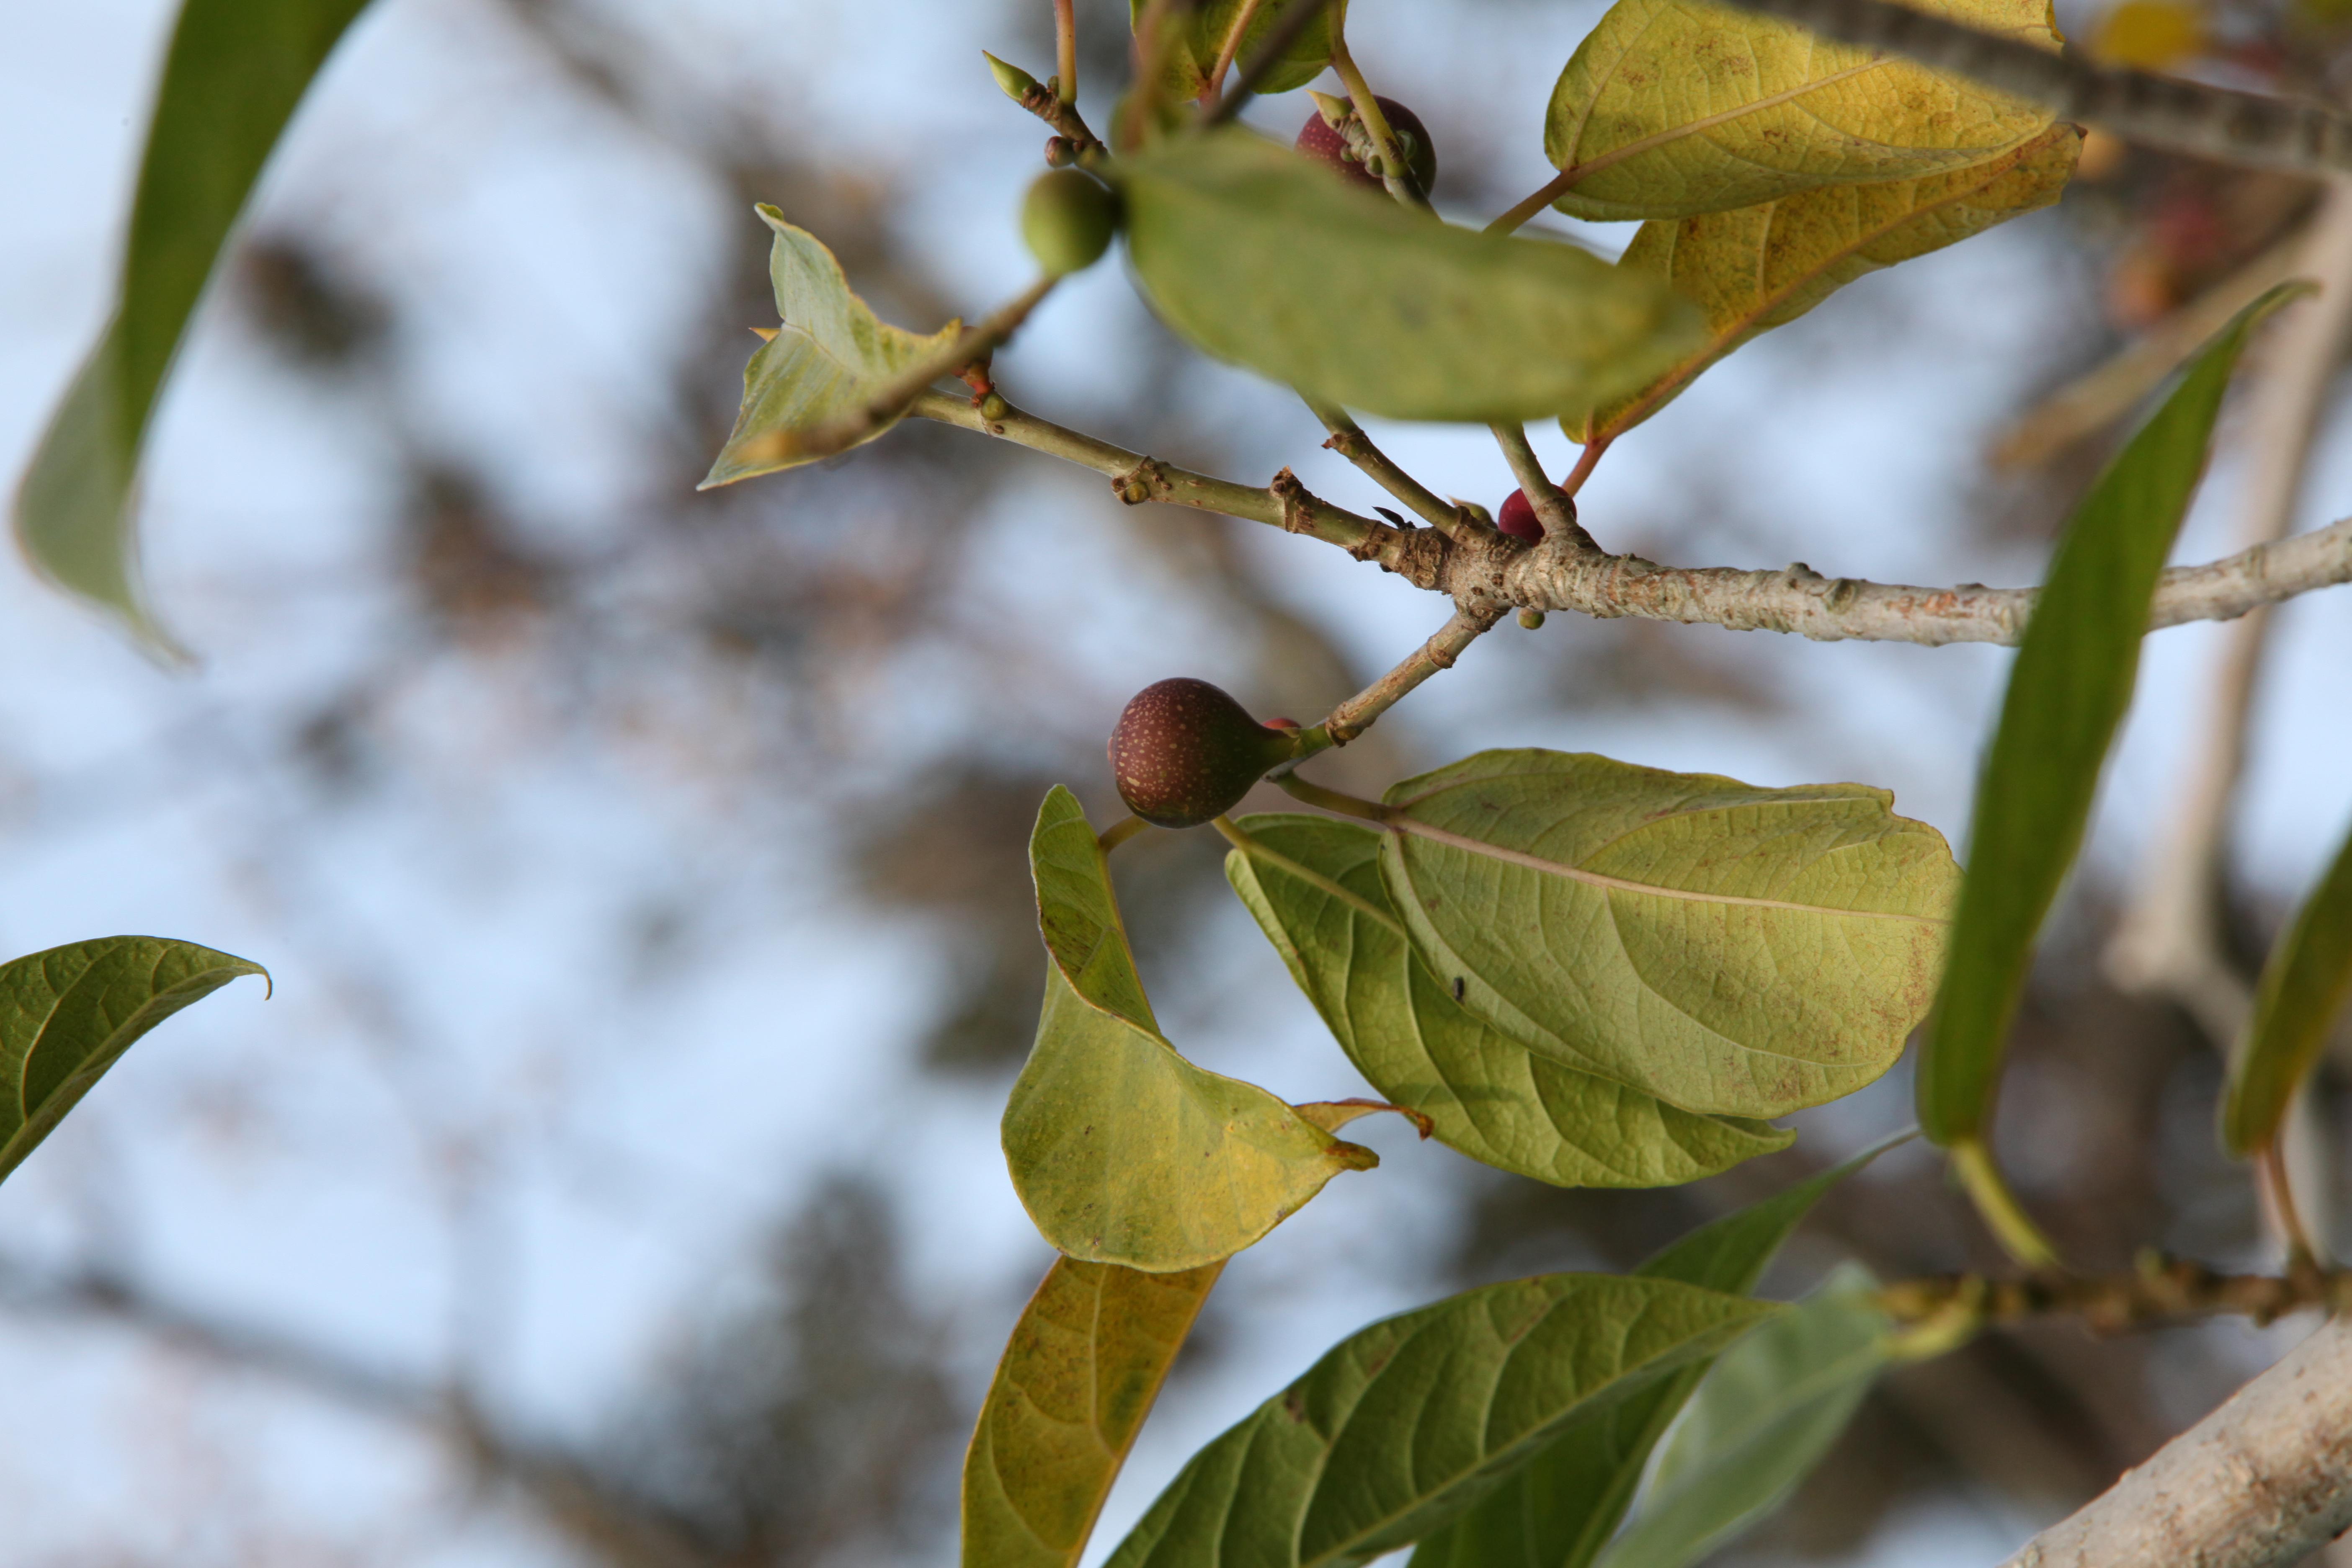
(1017, 84)
(1068, 218)
(1184, 752)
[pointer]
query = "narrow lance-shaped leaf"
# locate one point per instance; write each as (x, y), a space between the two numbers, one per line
(1199, 43)
(1562, 1508)
(1679, 107)
(1122, 1151)
(1084, 1364)
(1766, 1414)
(232, 77)
(1754, 268)
(1265, 260)
(1314, 884)
(1403, 1426)
(830, 359)
(1732, 951)
(67, 1014)
(2068, 692)
(2303, 989)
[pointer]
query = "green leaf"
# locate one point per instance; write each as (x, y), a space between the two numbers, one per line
(235, 72)
(1767, 1412)
(1084, 1365)
(66, 1015)
(1262, 259)
(1186, 76)
(1679, 107)
(2068, 692)
(1122, 1151)
(2303, 989)
(1756, 267)
(1562, 1508)
(1732, 951)
(1314, 884)
(830, 359)
(1406, 1423)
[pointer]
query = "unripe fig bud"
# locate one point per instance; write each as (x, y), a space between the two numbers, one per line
(1325, 139)
(1184, 752)
(1069, 219)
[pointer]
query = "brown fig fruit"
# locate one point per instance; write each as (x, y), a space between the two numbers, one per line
(1322, 140)
(1184, 752)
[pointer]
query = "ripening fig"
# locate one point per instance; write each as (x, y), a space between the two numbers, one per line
(1518, 516)
(1324, 139)
(1068, 218)
(1184, 752)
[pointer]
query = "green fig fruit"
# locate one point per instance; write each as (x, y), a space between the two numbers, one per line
(1069, 219)
(1184, 752)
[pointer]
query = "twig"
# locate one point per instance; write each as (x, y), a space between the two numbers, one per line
(841, 434)
(1554, 510)
(1357, 714)
(1347, 440)
(1277, 41)
(1587, 580)
(2263, 1480)
(1231, 47)
(1049, 106)
(2160, 112)
(2158, 1289)
(1066, 54)
(2094, 401)
(1396, 172)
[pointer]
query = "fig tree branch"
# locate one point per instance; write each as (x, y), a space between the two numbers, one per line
(1357, 714)
(2160, 112)
(1571, 573)
(1347, 440)
(2160, 1290)
(2263, 1480)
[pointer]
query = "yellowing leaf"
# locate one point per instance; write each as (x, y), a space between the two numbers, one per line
(1122, 1151)
(828, 360)
(69, 1014)
(1679, 107)
(2149, 35)
(236, 72)
(1198, 47)
(1084, 1365)
(1754, 268)
(1314, 884)
(1732, 951)
(1260, 257)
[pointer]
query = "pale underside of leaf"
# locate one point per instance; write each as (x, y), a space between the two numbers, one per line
(1315, 891)
(1730, 951)
(1407, 1424)
(1262, 258)
(1680, 107)
(1122, 1151)
(829, 359)
(1078, 1376)
(69, 1014)
(1756, 267)
(1766, 1414)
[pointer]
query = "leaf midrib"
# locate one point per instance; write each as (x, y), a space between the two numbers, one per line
(1400, 823)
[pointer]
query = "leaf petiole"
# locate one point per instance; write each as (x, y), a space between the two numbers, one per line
(2018, 1236)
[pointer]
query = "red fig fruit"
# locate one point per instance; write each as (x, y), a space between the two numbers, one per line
(1516, 517)
(1328, 143)
(1184, 752)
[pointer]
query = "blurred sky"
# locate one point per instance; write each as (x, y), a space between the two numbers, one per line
(447, 983)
